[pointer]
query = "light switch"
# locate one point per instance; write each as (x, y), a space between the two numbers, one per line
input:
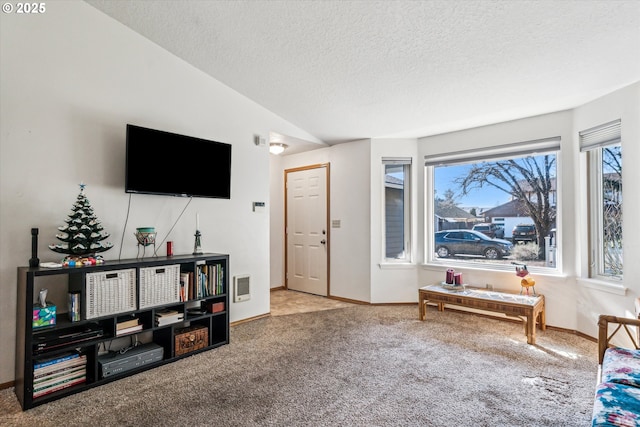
(259, 141)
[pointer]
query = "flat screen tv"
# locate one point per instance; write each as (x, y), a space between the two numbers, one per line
(166, 163)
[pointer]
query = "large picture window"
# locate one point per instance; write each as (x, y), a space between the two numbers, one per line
(397, 211)
(604, 152)
(495, 207)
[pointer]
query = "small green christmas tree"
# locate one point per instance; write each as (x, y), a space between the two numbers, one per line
(83, 235)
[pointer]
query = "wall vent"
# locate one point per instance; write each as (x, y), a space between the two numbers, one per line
(241, 288)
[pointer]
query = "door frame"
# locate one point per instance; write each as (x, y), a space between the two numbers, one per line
(286, 221)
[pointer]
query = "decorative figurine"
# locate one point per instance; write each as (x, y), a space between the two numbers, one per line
(145, 236)
(197, 246)
(527, 281)
(83, 235)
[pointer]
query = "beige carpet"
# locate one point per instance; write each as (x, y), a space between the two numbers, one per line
(356, 366)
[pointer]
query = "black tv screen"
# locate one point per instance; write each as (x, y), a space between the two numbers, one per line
(161, 162)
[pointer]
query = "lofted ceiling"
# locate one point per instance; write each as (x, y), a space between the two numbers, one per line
(347, 70)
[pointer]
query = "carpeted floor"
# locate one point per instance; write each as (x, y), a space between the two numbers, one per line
(357, 366)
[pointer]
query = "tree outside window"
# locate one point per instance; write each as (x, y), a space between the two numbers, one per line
(515, 194)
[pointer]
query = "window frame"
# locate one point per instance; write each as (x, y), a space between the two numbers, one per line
(551, 145)
(592, 143)
(407, 255)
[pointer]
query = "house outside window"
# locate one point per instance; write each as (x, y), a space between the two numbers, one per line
(513, 187)
(397, 209)
(602, 146)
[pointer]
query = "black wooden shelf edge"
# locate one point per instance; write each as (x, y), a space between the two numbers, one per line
(125, 263)
(71, 346)
(61, 323)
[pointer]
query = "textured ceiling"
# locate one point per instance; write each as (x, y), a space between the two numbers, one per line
(345, 70)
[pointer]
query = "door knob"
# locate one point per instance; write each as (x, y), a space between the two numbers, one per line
(324, 242)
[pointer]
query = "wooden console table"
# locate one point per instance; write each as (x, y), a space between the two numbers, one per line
(528, 308)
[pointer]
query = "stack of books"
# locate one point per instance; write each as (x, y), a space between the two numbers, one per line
(58, 372)
(206, 281)
(128, 326)
(186, 283)
(166, 317)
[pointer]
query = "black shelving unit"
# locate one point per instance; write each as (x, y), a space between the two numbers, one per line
(34, 344)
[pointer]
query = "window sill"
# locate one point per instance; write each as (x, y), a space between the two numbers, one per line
(504, 268)
(601, 285)
(396, 266)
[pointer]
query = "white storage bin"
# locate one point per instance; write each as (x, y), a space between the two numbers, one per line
(159, 285)
(110, 292)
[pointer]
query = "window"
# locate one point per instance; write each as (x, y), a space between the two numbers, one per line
(397, 209)
(491, 194)
(604, 157)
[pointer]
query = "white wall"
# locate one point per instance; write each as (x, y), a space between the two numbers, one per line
(596, 298)
(276, 209)
(393, 282)
(71, 79)
(349, 203)
(350, 244)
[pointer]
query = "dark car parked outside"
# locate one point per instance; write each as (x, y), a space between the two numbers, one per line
(491, 230)
(469, 242)
(523, 233)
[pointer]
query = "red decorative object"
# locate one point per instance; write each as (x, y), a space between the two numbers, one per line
(457, 278)
(450, 277)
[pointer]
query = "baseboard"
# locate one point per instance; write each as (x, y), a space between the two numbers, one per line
(278, 288)
(352, 301)
(392, 303)
(574, 332)
(10, 384)
(250, 319)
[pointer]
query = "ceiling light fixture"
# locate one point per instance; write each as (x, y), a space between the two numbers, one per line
(277, 147)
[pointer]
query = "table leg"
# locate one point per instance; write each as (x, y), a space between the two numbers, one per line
(531, 328)
(422, 307)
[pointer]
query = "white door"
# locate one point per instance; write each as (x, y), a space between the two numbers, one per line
(307, 233)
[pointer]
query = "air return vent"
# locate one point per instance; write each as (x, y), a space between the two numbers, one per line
(241, 288)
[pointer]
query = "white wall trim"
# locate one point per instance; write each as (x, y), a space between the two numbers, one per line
(397, 266)
(601, 285)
